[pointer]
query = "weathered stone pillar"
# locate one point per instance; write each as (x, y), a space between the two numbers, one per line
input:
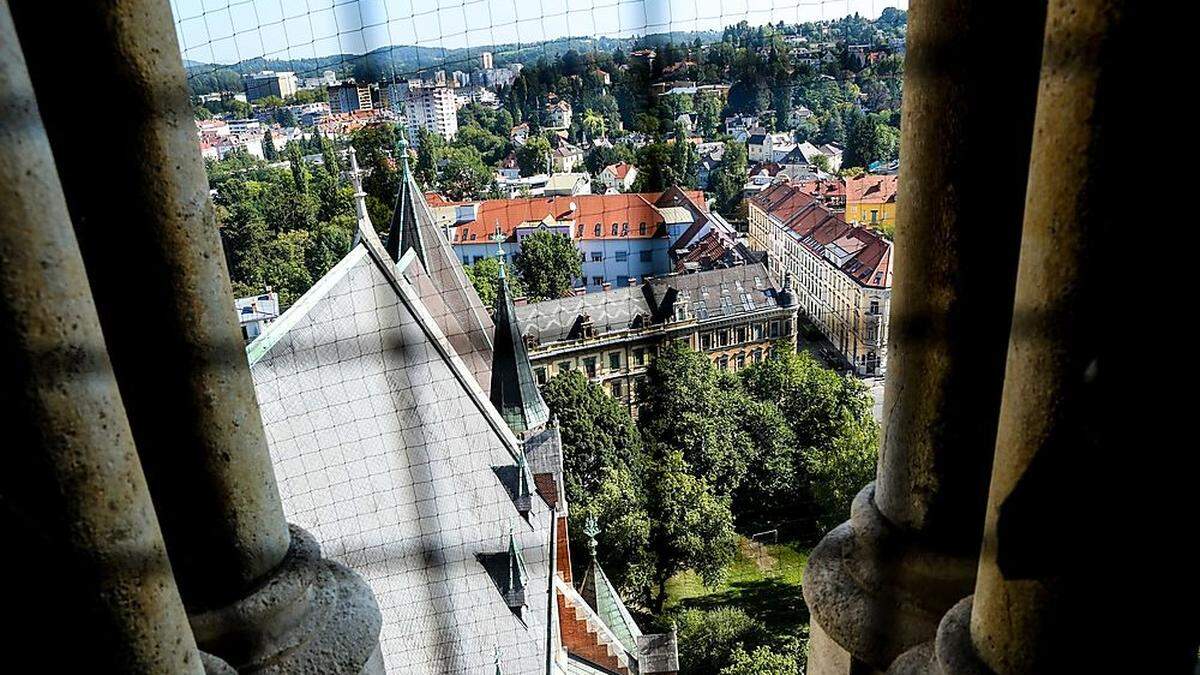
(259, 596)
(879, 583)
(1037, 607)
(88, 587)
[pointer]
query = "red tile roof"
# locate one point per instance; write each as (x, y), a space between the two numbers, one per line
(627, 211)
(871, 189)
(619, 170)
(865, 255)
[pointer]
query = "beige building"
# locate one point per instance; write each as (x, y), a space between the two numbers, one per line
(842, 273)
(732, 315)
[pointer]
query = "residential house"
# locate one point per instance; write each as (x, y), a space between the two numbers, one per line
(619, 176)
(871, 200)
(566, 157)
(558, 114)
(568, 184)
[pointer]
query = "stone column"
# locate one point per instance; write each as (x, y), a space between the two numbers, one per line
(259, 595)
(879, 583)
(88, 587)
(1036, 607)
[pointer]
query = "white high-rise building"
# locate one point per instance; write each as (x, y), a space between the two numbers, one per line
(432, 108)
(485, 61)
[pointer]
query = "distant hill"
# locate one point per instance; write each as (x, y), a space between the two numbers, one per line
(410, 60)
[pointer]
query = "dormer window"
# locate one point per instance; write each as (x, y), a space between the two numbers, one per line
(599, 231)
(614, 229)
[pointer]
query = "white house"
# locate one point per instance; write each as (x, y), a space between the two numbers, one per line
(619, 176)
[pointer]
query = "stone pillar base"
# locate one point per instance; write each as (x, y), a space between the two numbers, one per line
(310, 616)
(877, 591)
(951, 653)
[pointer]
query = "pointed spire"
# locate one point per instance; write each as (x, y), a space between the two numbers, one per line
(496, 659)
(524, 499)
(514, 388)
(403, 232)
(360, 200)
(514, 594)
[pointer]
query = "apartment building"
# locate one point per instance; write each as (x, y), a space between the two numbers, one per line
(842, 272)
(431, 108)
(733, 315)
(349, 96)
(281, 84)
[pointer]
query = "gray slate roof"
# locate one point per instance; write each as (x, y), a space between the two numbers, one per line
(386, 450)
(711, 294)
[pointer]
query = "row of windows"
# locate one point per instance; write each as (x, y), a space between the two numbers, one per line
(737, 335)
(590, 364)
(623, 228)
(621, 256)
(738, 361)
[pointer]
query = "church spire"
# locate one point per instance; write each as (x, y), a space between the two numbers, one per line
(514, 389)
(403, 233)
(360, 200)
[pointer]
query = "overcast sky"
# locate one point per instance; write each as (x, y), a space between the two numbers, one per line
(227, 31)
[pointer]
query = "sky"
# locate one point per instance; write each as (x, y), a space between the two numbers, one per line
(228, 31)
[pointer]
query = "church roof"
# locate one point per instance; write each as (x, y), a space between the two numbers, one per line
(385, 448)
(439, 279)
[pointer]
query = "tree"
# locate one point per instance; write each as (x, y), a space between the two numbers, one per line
(299, 172)
(485, 277)
(619, 507)
(727, 180)
(708, 115)
(549, 264)
(836, 437)
(597, 433)
(594, 124)
(534, 155)
(762, 661)
(462, 174)
(708, 639)
(268, 146)
(690, 527)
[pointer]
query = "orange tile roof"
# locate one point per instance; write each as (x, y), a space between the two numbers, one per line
(628, 211)
(871, 189)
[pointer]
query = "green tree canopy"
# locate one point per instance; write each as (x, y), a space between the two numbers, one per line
(549, 264)
(597, 433)
(485, 277)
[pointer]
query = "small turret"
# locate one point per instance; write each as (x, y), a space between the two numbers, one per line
(404, 232)
(514, 389)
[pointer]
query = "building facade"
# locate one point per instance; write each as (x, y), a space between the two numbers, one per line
(871, 201)
(431, 108)
(622, 238)
(348, 96)
(732, 315)
(842, 272)
(269, 83)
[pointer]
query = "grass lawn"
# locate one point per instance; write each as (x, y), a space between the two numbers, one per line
(762, 580)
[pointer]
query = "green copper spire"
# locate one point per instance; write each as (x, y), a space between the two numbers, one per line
(514, 388)
(403, 232)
